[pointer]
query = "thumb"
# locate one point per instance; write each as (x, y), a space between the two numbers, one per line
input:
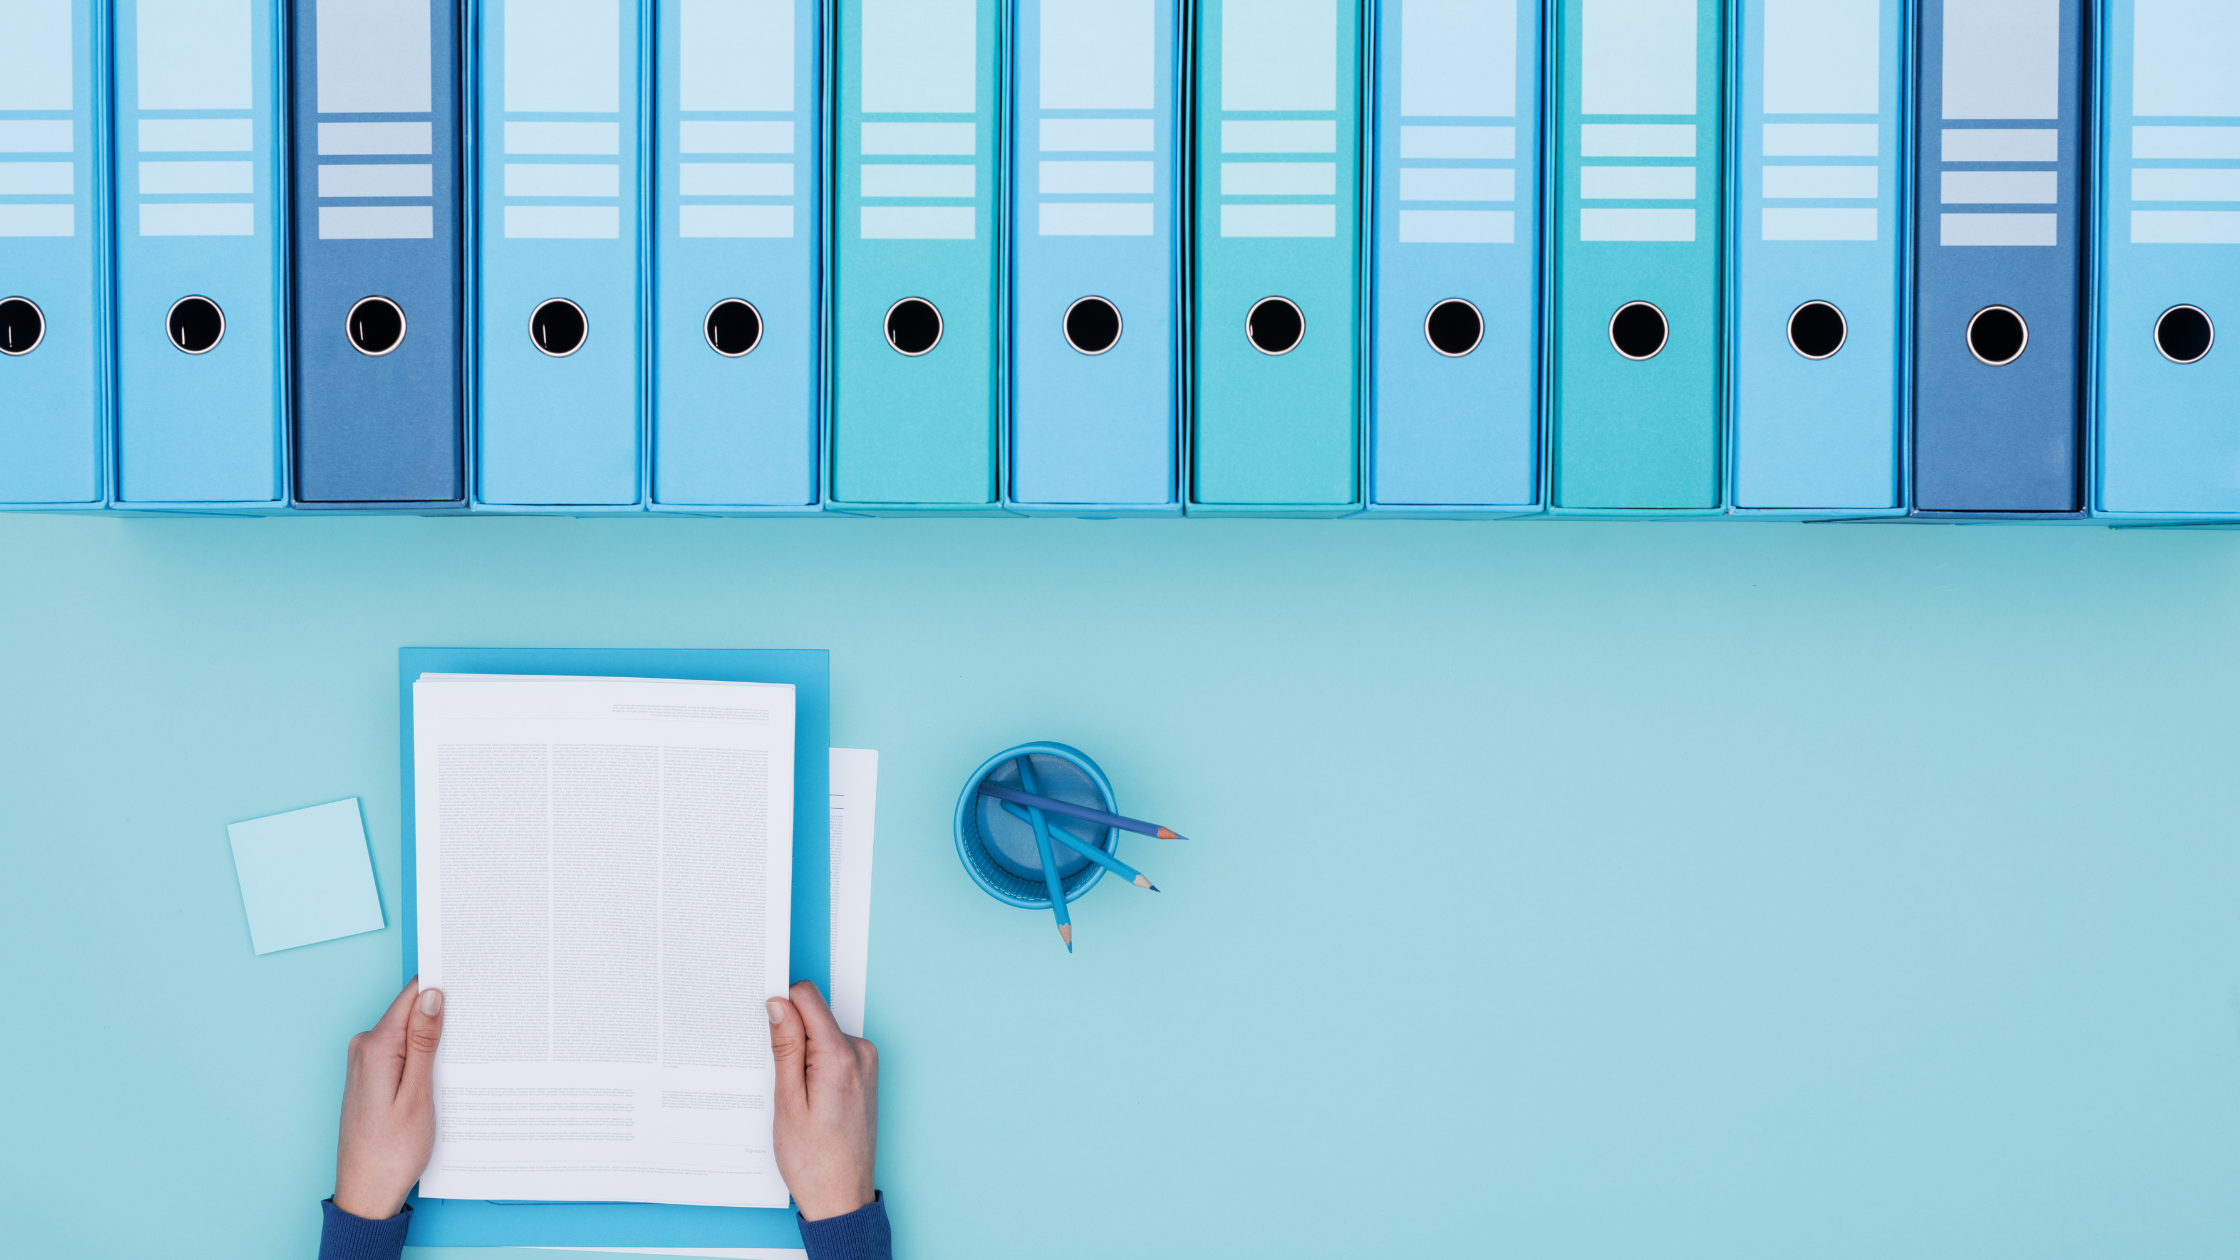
(789, 1052)
(420, 1037)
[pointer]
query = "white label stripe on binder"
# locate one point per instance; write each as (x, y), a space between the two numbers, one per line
(35, 59)
(43, 135)
(1861, 183)
(2185, 227)
(2002, 59)
(920, 57)
(194, 54)
(198, 177)
(196, 135)
(735, 55)
(1637, 140)
(1610, 224)
(1458, 58)
(2190, 143)
(1459, 143)
(1821, 140)
(1279, 220)
(1821, 223)
(919, 139)
(1098, 54)
(735, 179)
(374, 57)
(38, 179)
(2001, 144)
(1638, 57)
(2181, 58)
(562, 138)
(1458, 227)
(735, 137)
(2000, 188)
(735, 222)
(366, 179)
(1458, 183)
(374, 139)
(1306, 135)
(1822, 56)
(1095, 218)
(920, 223)
(1998, 229)
(1279, 55)
(1097, 135)
(198, 218)
(2165, 183)
(563, 56)
(1637, 183)
(564, 222)
(563, 179)
(1096, 177)
(922, 180)
(377, 223)
(38, 220)
(1279, 179)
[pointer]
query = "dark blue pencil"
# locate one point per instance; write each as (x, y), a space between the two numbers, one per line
(1071, 810)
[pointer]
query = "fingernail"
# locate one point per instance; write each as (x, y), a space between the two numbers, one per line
(777, 1011)
(431, 1002)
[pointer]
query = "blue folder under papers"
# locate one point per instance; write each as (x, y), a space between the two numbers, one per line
(479, 1223)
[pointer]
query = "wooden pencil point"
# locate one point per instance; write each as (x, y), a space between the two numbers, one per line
(1141, 882)
(1165, 834)
(1065, 933)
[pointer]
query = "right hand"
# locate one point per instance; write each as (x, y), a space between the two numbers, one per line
(827, 1123)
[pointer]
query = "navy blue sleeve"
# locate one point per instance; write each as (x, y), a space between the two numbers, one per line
(347, 1237)
(860, 1235)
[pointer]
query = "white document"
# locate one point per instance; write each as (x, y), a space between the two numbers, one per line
(605, 888)
(855, 807)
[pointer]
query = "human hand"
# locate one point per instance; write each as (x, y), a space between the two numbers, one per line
(388, 1106)
(827, 1129)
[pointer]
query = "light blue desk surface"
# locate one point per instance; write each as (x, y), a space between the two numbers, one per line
(1561, 890)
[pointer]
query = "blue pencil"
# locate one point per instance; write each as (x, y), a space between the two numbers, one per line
(1086, 849)
(1071, 810)
(1049, 861)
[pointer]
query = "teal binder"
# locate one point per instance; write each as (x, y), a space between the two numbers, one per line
(913, 345)
(1640, 191)
(1276, 337)
(479, 1223)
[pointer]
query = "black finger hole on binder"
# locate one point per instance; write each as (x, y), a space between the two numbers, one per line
(1997, 335)
(1275, 326)
(1638, 331)
(559, 328)
(375, 326)
(196, 325)
(913, 327)
(1817, 330)
(734, 327)
(2184, 334)
(1454, 328)
(22, 325)
(1092, 325)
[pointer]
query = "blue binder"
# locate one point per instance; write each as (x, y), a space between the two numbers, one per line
(1636, 403)
(54, 316)
(1276, 333)
(2168, 275)
(379, 399)
(738, 232)
(1997, 278)
(914, 358)
(558, 191)
(201, 254)
(1096, 256)
(1455, 280)
(1817, 354)
(478, 1223)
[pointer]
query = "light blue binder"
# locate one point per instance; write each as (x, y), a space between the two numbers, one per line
(1096, 256)
(737, 232)
(54, 317)
(1276, 334)
(1455, 291)
(914, 357)
(201, 254)
(558, 197)
(2166, 392)
(1816, 349)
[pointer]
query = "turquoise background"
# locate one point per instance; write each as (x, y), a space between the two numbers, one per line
(1557, 889)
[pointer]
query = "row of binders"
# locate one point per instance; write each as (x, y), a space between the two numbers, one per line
(1460, 258)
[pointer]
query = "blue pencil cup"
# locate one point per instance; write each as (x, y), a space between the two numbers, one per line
(999, 849)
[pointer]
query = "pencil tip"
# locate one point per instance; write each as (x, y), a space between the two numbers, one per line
(1141, 882)
(1152, 887)
(1165, 834)
(1065, 933)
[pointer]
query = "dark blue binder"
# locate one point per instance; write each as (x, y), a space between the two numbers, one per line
(1998, 315)
(376, 324)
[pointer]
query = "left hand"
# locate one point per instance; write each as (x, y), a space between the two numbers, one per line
(388, 1106)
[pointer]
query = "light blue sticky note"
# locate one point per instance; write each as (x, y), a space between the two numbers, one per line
(305, 876)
